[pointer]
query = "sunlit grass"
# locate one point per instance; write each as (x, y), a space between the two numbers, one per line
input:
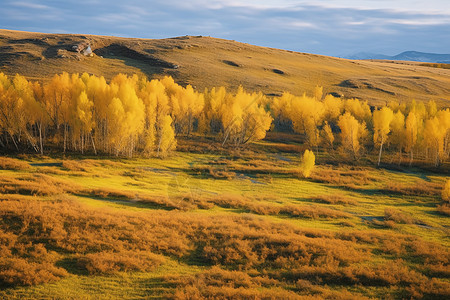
(337, 201)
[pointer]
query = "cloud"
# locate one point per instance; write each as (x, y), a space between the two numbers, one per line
(29, 5)
(323, 27)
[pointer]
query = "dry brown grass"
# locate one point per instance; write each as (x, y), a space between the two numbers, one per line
(181, 202)
(123, 261)
(202, 61)
(214, 172)
(352, 177)
(444, 209)
(391, 214)
(72, 165)
(7, 163)
(217, 283)
(36, 184)
(286, 148)
(334, 199)
(111, 193)
(265, 208)
(260, 257)
(420, 188)
(19, 271)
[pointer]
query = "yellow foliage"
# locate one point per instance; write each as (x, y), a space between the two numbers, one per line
(307, 163)
(437, 131)
(127, 115)
(318, 92)
(411, 131)
(381, 124)
(328, 135)
(351, 134)
(333, 107)
(243, 117)
(446, 191)
(167, 140)
(307, 114)
(360, 110)
(398, 128)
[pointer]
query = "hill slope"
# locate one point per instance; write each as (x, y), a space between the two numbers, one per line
(207, 62)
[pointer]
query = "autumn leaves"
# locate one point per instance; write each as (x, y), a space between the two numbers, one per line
(132, 115)
(128, 115)
(417, 129)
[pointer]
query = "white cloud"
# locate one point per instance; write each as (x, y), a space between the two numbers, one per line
(30, 5)
(420, 22)
(319, 26)
(300, 24)
(429, 6)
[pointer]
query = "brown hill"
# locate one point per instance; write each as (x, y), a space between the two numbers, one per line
(207, 62)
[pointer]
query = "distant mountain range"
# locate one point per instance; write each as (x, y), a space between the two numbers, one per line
(407, 55)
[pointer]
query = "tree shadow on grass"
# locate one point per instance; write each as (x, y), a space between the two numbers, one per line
(70, 265)
(129, 203)
(195, 258)
(145, 62)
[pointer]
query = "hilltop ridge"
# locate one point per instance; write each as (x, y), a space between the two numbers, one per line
(205, 62)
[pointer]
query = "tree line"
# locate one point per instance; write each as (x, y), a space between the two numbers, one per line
(131, 115)
(126, 116)
(354, 127)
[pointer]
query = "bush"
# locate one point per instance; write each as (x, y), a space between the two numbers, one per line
(391, 214)
(113, 262)
(444, 209)
(446, 191)
(334, 199)
(307, 163)
(7, 163)
(18, 271)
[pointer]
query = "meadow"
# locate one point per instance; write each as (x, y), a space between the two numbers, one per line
(184, 169)
(219, 222)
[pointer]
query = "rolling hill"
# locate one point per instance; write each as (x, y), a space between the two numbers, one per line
(205, 62)
(233, 213)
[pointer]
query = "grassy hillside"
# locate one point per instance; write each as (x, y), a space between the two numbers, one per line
(221, 224)
(208, 62)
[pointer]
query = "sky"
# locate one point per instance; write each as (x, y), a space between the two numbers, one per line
(332, 27)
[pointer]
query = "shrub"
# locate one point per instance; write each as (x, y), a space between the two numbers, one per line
(72, 165)
(391, 214)
(307, 163)
(7, 163)
(444, 209)
(420, 188)
(19, 271)
(446, 191)
(334, 199)
(113, 262)
(36, 184)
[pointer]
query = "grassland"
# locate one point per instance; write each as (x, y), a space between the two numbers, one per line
(217, 222)
(221, 223)
(206, 62)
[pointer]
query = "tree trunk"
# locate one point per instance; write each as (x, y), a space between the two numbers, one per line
(82, 143)
(14, 141)
(93, 144)
(64, 138)
(379, 154)
(40, 138)
(411, 158)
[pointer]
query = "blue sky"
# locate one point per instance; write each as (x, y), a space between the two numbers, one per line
(336, 27)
